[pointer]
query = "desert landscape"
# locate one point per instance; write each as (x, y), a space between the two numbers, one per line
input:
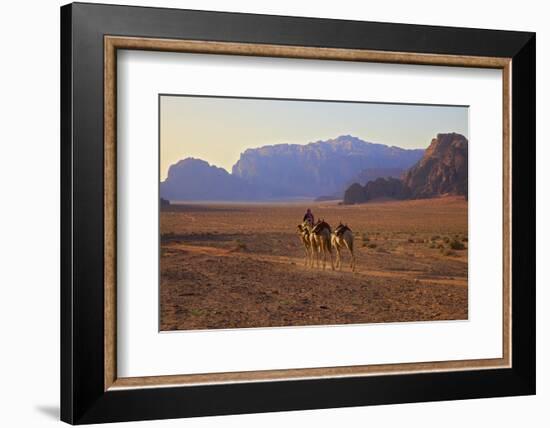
(238, 265)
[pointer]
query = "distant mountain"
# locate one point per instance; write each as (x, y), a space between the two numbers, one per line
(287, 171)
(319, 168)
(195, 179)
(442, 170)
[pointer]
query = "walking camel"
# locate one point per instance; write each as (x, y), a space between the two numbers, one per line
(321, 243)
(304, 232)
(341, 238)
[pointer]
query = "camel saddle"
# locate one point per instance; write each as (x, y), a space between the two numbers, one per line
(341, 229)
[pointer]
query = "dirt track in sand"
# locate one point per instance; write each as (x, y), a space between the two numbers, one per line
(237, 265)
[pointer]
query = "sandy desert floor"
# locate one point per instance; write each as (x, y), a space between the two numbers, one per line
(242, 265)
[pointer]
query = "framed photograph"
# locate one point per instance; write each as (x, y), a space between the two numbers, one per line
(266, 213)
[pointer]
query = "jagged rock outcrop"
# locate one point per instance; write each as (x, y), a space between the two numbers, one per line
(381, 188)
(443, 170)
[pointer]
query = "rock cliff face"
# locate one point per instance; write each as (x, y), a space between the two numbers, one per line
(443, 170)
(319, 168)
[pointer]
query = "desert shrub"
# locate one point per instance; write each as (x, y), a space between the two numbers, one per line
(435, 237)
(432, 245)
(365, 237)
(240, 245)
(410, 241)
(456, 245)
(440, 246)
(373, 245)
(446, 239)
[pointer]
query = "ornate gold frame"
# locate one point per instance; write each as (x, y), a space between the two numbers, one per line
(113, 43)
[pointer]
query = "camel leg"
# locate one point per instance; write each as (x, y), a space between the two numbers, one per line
(338, 258)
(306, 259)
(315, 256)
(352, 255)
(318, 256)
(331, 258)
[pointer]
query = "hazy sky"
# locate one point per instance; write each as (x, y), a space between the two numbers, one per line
(218, 130)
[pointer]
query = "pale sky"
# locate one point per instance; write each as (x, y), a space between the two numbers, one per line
(218, 130)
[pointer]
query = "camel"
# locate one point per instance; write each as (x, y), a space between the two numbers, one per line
(304, 232)
(320, 240)
(342, 237)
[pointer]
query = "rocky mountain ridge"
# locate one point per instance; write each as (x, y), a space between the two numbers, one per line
(288, 171)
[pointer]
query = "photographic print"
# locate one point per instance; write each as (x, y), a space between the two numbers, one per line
(283, 212)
